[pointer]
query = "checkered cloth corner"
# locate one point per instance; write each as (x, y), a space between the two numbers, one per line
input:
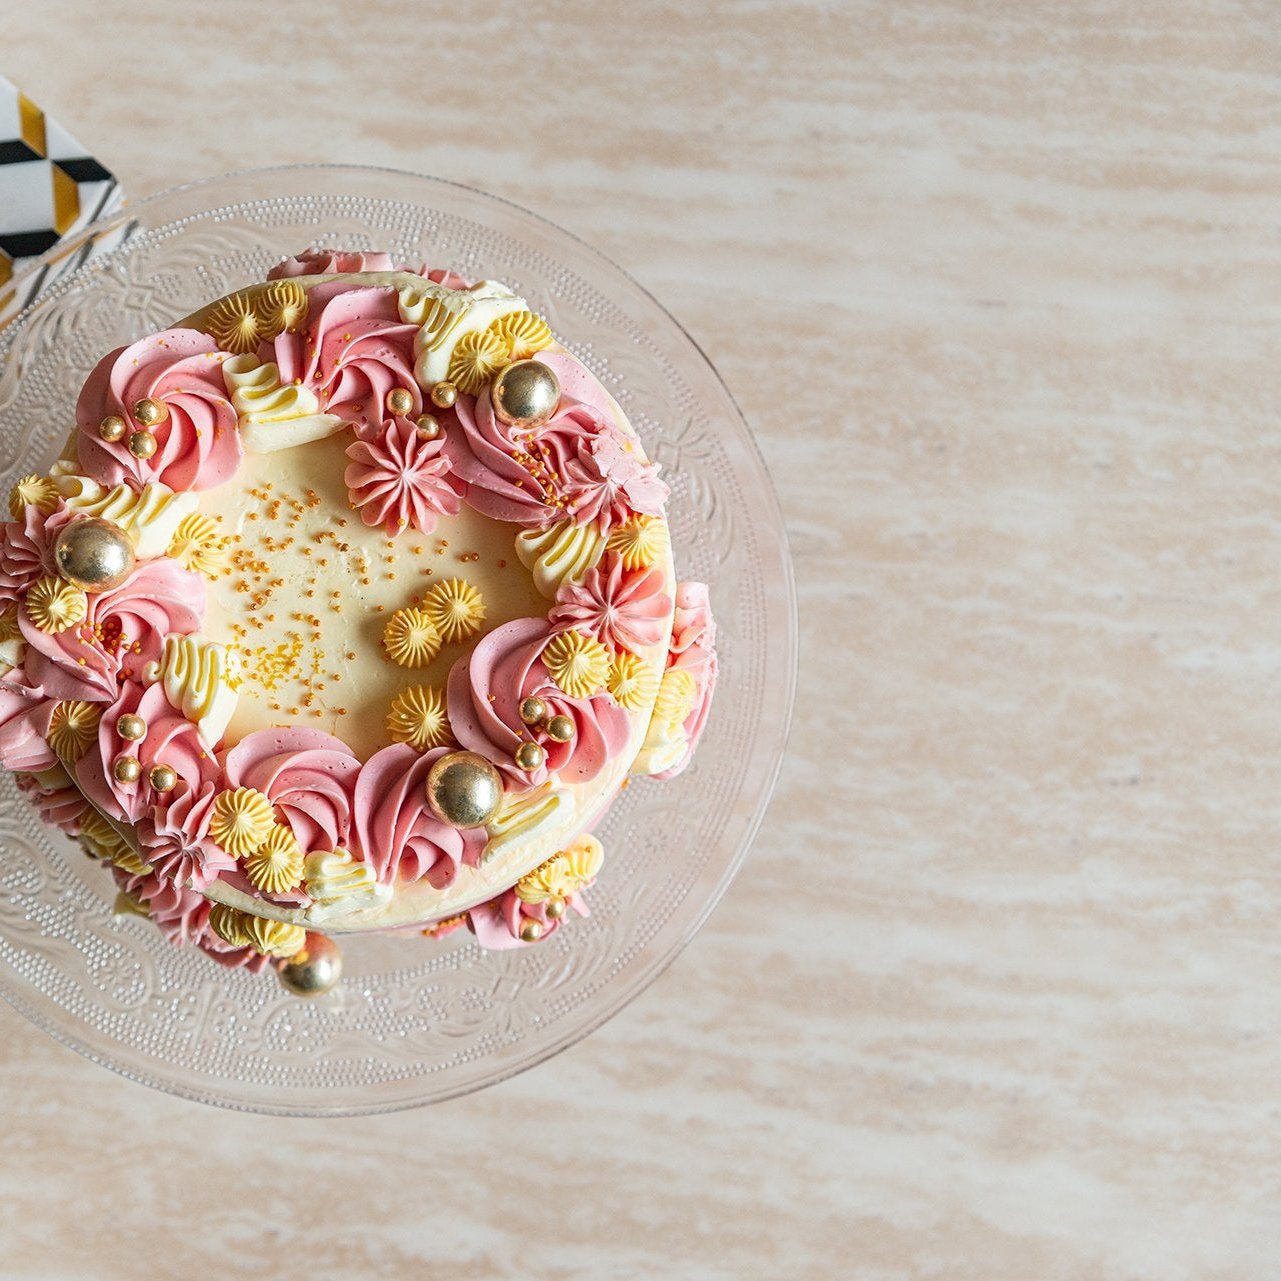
(49, 188)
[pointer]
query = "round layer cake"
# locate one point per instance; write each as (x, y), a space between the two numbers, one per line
(350, 605)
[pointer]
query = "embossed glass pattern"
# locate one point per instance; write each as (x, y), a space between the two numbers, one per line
(414, 1020)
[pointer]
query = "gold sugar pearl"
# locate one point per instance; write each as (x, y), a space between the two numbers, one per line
(128, 769)
(164, 778)
(112, 428)
(400, 400)
(131, 727)
(443, 395)
(560, 728)
(555, 908)
(142, 444)
(428, 426)
(529, 756)
(531, 931)
(532, 711)
(150, 412)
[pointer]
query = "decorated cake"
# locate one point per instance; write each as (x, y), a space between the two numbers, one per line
(349, 605)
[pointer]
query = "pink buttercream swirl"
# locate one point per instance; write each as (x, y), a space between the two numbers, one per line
(197, 443)
(123, 630)
(174, 838)
(578, 465)
(332, 262)
(308, 776)
(486, 688)
(621, 608)
(693, 649)
(170, 740)
(400, 479)
(497, 923)
(25, 713)
(58, 801)
(26, 549)
(352, 352)
(183, 918)
(395, 832)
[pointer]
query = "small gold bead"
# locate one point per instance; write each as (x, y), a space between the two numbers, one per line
(164, 778)
(560, 728)
(531, 931)
(555, 908)
(113, 428)
(128, 769)
(131, 727)
(529, 756)
(532, 711)
(142, 444)
(150, 412)
(428, 426)
(400, 400)
(443, 395)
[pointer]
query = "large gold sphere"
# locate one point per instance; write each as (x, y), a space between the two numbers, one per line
(150, 412)
(531, 931)
(555, 908)
(464, 789)
(526, 394)
(400, 400)
(428, 426)
(94, 554)
(314, 970)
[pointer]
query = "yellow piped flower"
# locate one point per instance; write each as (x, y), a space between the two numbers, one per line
(54, 604)
(565, 873)
(197, 545)
(522, 333)
(281, 305)
(411, 637)
(639, 541)
(456, 607)
(73, 728)
(105, 843)
(276, 865)
(417, 717)
(9, 629)
(230, 924)
(241, 820)
(579, 664)
(234, 323)
(677, 694)
(476, 358)
(632, 681)
(274, 938)
(33, 491)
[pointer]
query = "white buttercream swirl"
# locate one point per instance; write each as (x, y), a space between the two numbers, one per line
(523, 817)
(561, 553)
(336, 882)
(200, 678)
(272, 415)
(444, 315)
(149, 515)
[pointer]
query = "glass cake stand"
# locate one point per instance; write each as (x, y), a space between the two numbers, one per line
(414, 1020)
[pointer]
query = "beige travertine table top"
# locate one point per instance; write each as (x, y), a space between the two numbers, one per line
(996, 995)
